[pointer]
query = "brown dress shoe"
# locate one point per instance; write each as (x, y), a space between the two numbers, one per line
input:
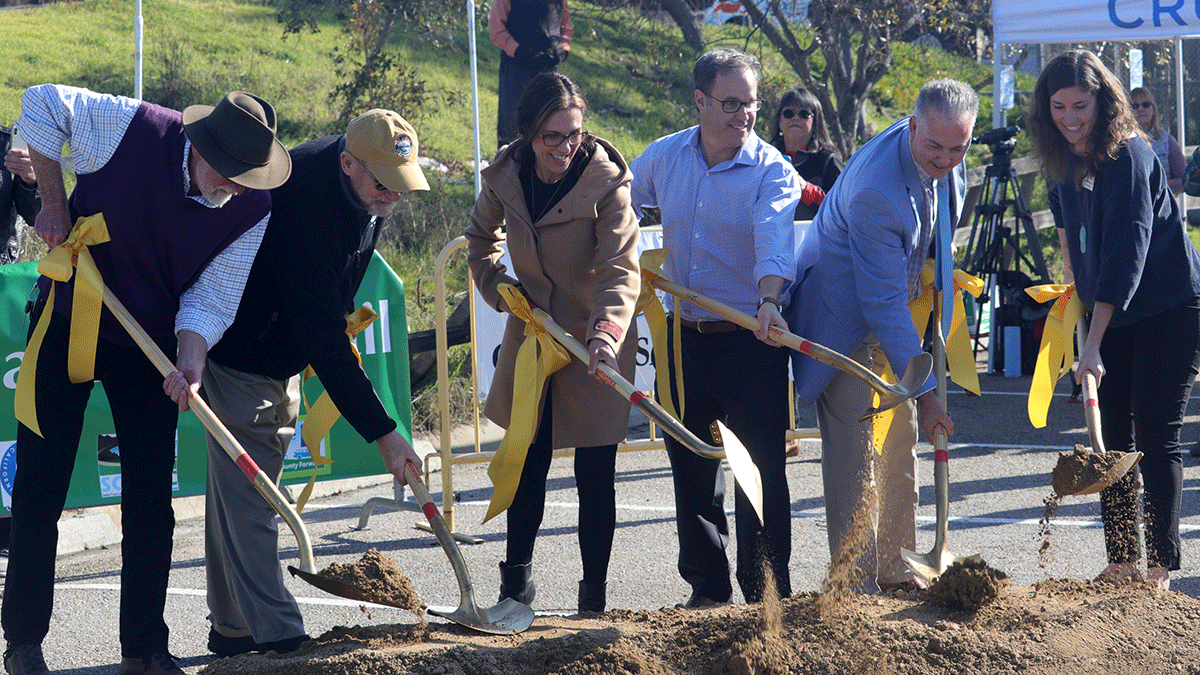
(154, 664)
(909, 586)
(26, 660)
(697, 602)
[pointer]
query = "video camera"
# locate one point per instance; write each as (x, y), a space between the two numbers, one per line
(1001, 140)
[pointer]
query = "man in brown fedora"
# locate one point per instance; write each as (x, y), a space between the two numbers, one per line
(185, 202)
(324, 225)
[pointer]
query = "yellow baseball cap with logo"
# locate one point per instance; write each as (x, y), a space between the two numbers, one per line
(387, 144)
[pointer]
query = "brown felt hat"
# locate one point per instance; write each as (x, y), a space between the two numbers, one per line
(237, 138)
(388, 145)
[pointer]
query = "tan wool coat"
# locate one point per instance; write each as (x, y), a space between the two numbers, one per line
(579, 264)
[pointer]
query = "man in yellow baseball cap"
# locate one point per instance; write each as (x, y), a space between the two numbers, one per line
(325, 222)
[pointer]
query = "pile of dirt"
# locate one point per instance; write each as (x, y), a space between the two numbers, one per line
(969, 584)
(380, 580)
(1057, 626)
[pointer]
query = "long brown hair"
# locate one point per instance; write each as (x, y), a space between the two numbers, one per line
(1114, 120)
(545, 95)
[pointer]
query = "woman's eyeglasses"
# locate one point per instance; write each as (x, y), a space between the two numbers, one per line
(1143, 104)
(553, 139)
(789, 113)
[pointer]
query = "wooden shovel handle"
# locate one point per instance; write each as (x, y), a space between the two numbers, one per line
(265, 486)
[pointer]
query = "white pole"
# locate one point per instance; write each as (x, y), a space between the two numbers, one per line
(1180, 117)
(137, 52)
(474, 92)
(998, 114)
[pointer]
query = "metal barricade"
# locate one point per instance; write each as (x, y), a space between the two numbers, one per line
(445, 453)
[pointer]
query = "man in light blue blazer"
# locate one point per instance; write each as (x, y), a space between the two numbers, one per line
(858, 267)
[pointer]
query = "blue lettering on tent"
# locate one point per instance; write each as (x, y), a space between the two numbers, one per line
(1112, 15)
(1173, 10)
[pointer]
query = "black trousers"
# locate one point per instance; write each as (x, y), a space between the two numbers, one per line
(145, 421)
(595, 478)
(741, 381)
(1151, 366)
(513, 79)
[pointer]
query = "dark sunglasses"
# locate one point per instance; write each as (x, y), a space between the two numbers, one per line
(1144, 104)
(789, 113)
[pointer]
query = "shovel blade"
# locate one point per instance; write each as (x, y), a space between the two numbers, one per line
(743, 467)
(931, 565)
(506, 618)
(342, 589)
(1114, 474)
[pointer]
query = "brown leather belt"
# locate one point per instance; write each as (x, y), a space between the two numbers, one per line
(709, 326)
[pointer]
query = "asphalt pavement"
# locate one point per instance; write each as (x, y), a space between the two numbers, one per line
(999, 470)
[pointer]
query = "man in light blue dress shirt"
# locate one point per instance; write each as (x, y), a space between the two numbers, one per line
(727, 201)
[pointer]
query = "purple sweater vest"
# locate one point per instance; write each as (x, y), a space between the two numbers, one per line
(161, 240)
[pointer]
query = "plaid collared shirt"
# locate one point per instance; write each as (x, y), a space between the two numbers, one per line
(92, 125)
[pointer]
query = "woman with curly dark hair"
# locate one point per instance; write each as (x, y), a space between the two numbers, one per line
(799, 133)
(1125, 247)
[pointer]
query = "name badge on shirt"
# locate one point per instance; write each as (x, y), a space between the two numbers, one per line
(1089, 183)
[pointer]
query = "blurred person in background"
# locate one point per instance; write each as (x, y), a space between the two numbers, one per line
(1164, 145)
(799, 133)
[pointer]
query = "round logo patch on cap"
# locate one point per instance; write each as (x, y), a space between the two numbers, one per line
(404, 147)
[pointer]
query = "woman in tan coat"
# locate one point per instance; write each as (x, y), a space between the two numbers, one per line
(560, 198)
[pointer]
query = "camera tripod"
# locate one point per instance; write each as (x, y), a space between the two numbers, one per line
(993, 245)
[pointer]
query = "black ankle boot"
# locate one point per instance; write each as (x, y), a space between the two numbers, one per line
(591, 597)
(516, 582)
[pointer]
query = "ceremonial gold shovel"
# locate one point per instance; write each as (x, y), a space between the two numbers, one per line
(1091, 413)
(507, 617)
(745, 472)
(931, 565)
(890, 395)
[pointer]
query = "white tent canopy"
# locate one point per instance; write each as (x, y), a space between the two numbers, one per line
(1042, 21)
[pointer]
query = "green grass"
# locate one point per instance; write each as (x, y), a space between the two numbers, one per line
(635, 71)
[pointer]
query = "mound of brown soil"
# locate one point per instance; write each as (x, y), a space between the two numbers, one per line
(1058, 626)
(379, 579)
(969, 584)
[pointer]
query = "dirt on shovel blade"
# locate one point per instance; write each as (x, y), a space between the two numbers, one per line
(379, 577)
(1077, 470)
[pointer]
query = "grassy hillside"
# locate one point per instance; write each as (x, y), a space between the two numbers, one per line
(635, 70)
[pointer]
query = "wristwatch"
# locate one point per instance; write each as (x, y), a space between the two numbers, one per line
(773, 301)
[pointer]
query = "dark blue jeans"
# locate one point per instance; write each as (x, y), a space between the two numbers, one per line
(145, 421)
(743, 382)
(1151, 366)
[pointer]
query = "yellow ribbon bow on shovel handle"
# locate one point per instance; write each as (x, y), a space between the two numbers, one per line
(745, 472)
(539, 357)
(1056, 354)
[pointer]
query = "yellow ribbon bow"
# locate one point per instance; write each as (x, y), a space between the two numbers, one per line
(70, 257)
(960, 360)
(1057, 351)
(656, 319)
(323, 414)
(539, 357)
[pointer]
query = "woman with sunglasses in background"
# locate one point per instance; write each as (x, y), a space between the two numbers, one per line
(1145, 110)
(560, 197)
(799, 132)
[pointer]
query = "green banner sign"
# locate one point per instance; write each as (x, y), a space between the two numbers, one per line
(97, 476)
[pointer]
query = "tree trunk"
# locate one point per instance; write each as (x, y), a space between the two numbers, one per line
(686, 20)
